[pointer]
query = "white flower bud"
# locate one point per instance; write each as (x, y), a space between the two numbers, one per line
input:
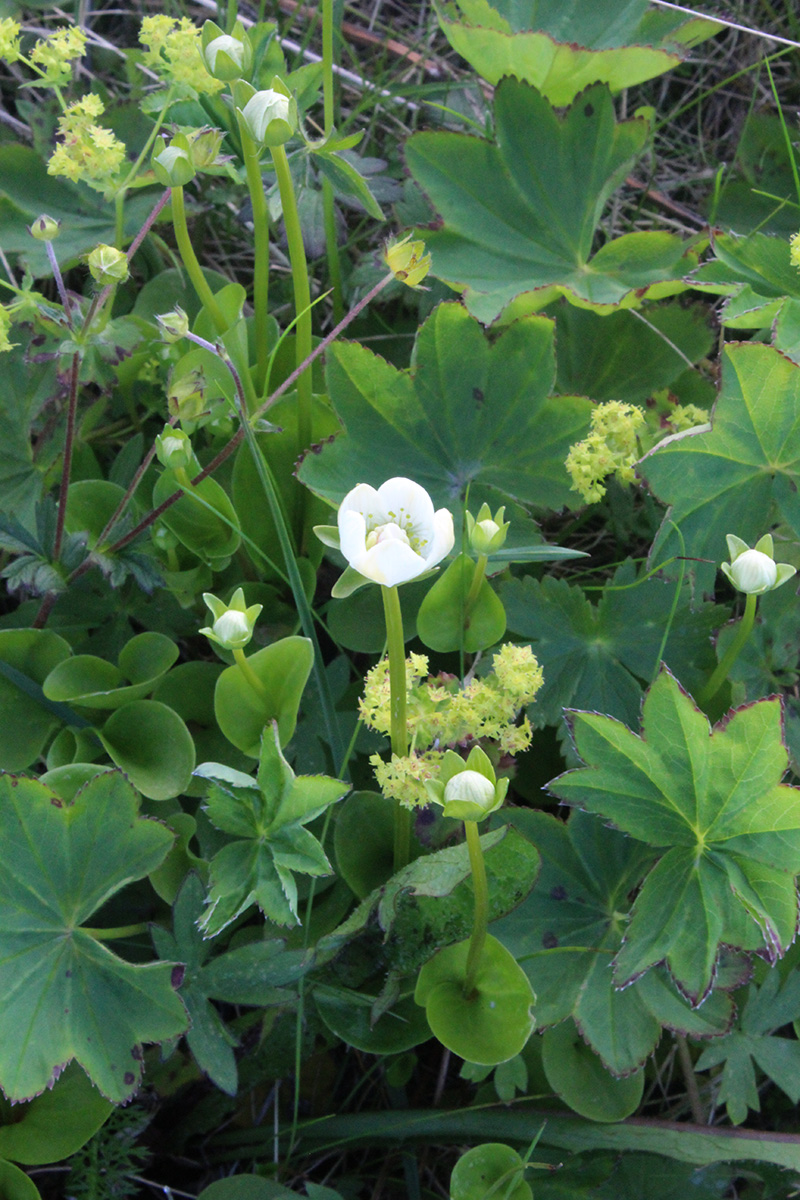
(232, 629)
(472, 787)
(753, 572)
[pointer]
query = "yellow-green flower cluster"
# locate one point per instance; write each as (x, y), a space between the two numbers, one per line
(441, 713)
(5, 329)
(55, 54)
(173, 52)
(686, 416)
(794, 249)
(9, 40)
(610, 449)
(87, 151)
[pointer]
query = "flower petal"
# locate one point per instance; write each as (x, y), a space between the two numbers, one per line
(443, 537)
(352, 536)
(390, 563)
(408, 505)
(365, 500)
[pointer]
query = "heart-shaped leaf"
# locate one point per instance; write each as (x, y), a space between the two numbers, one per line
(64, 994)
(577, 1076)
(152, 745)
(282, 669)
(490, 1169)
(516, 236)
(27, 656)
(445, 623)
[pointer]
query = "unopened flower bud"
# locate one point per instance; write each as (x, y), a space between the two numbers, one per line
(270, 117)
(408, 260)
(174, 325)
(108, 265)
(755, 571)
(186, 396)
(206, 144)
(173, 164)
(173, 449)
(233, 623)
(45, 228)
(227, 56)
(469, 791)
(487, 533)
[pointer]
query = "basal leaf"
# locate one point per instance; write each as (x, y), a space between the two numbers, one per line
(469, 411)
(566, 933)
(743, 473)
(65, 995)
(713, 803)
(586, 651)
(516, 236)
(561, 47)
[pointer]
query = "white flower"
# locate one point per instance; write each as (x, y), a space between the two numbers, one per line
(393, 535)
(270, 117)
(755, 571)
(472, 788)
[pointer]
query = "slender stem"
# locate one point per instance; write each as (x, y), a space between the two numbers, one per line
(258, 199)
(237, 438)
(189, 258)
(302, 293)
(722, 670)
(329, 211)
(118, 931)
(690, 1079)
(481, 921)
(249, 674)
(119, 219)
(399, 726)
(59, 278)
(475, 586)
(69, 441)
(147, 147)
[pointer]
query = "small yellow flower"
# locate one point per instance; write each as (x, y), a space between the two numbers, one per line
(9, 40)
(794, 249)
(55, 54)
(408, 260)
(174, 52)
(5, 328)
(87, 151)
(610, 449)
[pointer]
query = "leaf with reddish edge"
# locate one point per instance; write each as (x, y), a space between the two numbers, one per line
(713, 803)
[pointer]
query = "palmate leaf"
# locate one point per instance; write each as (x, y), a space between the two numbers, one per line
(469, 412)
(561, 46)
(520, 213)
(713, 805)
(740, 475)
(567, 931)
(267, 818)
(63, 993)
(752, 1043)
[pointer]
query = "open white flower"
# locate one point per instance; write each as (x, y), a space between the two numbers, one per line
(393, 535)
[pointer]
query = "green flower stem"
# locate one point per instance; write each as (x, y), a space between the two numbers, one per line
(189, 259)
(118, 931)
(302, 293)
(249, 674)
(475, 586)
(69, 441)
(481, 921)
(329, 212)
(258, 199)
(722, 670)
(399, 726)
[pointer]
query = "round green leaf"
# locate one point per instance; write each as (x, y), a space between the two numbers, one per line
(94, 682)
(363, 841)
(348, 1016)
(495, 1022)
(578, 1077)
(442, 622)
(57, 1123)
(282, 669)
(358, 621)
(489, 1168)
(68, 780)
(90, 505)
(152, 745)
(15, 1184)
(246, 1187)
(25, 725)
(200, 528)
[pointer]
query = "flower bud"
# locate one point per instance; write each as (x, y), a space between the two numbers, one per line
(468, 796)
(186, 396)
(487, 533)
(174, 325)
(173, 449)
(108, 265)
(172, 164)
(233, 623)
(45, 228)
(755, 571)
(206, 144)
(270, 117)
(227, 56)
(408, 260)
